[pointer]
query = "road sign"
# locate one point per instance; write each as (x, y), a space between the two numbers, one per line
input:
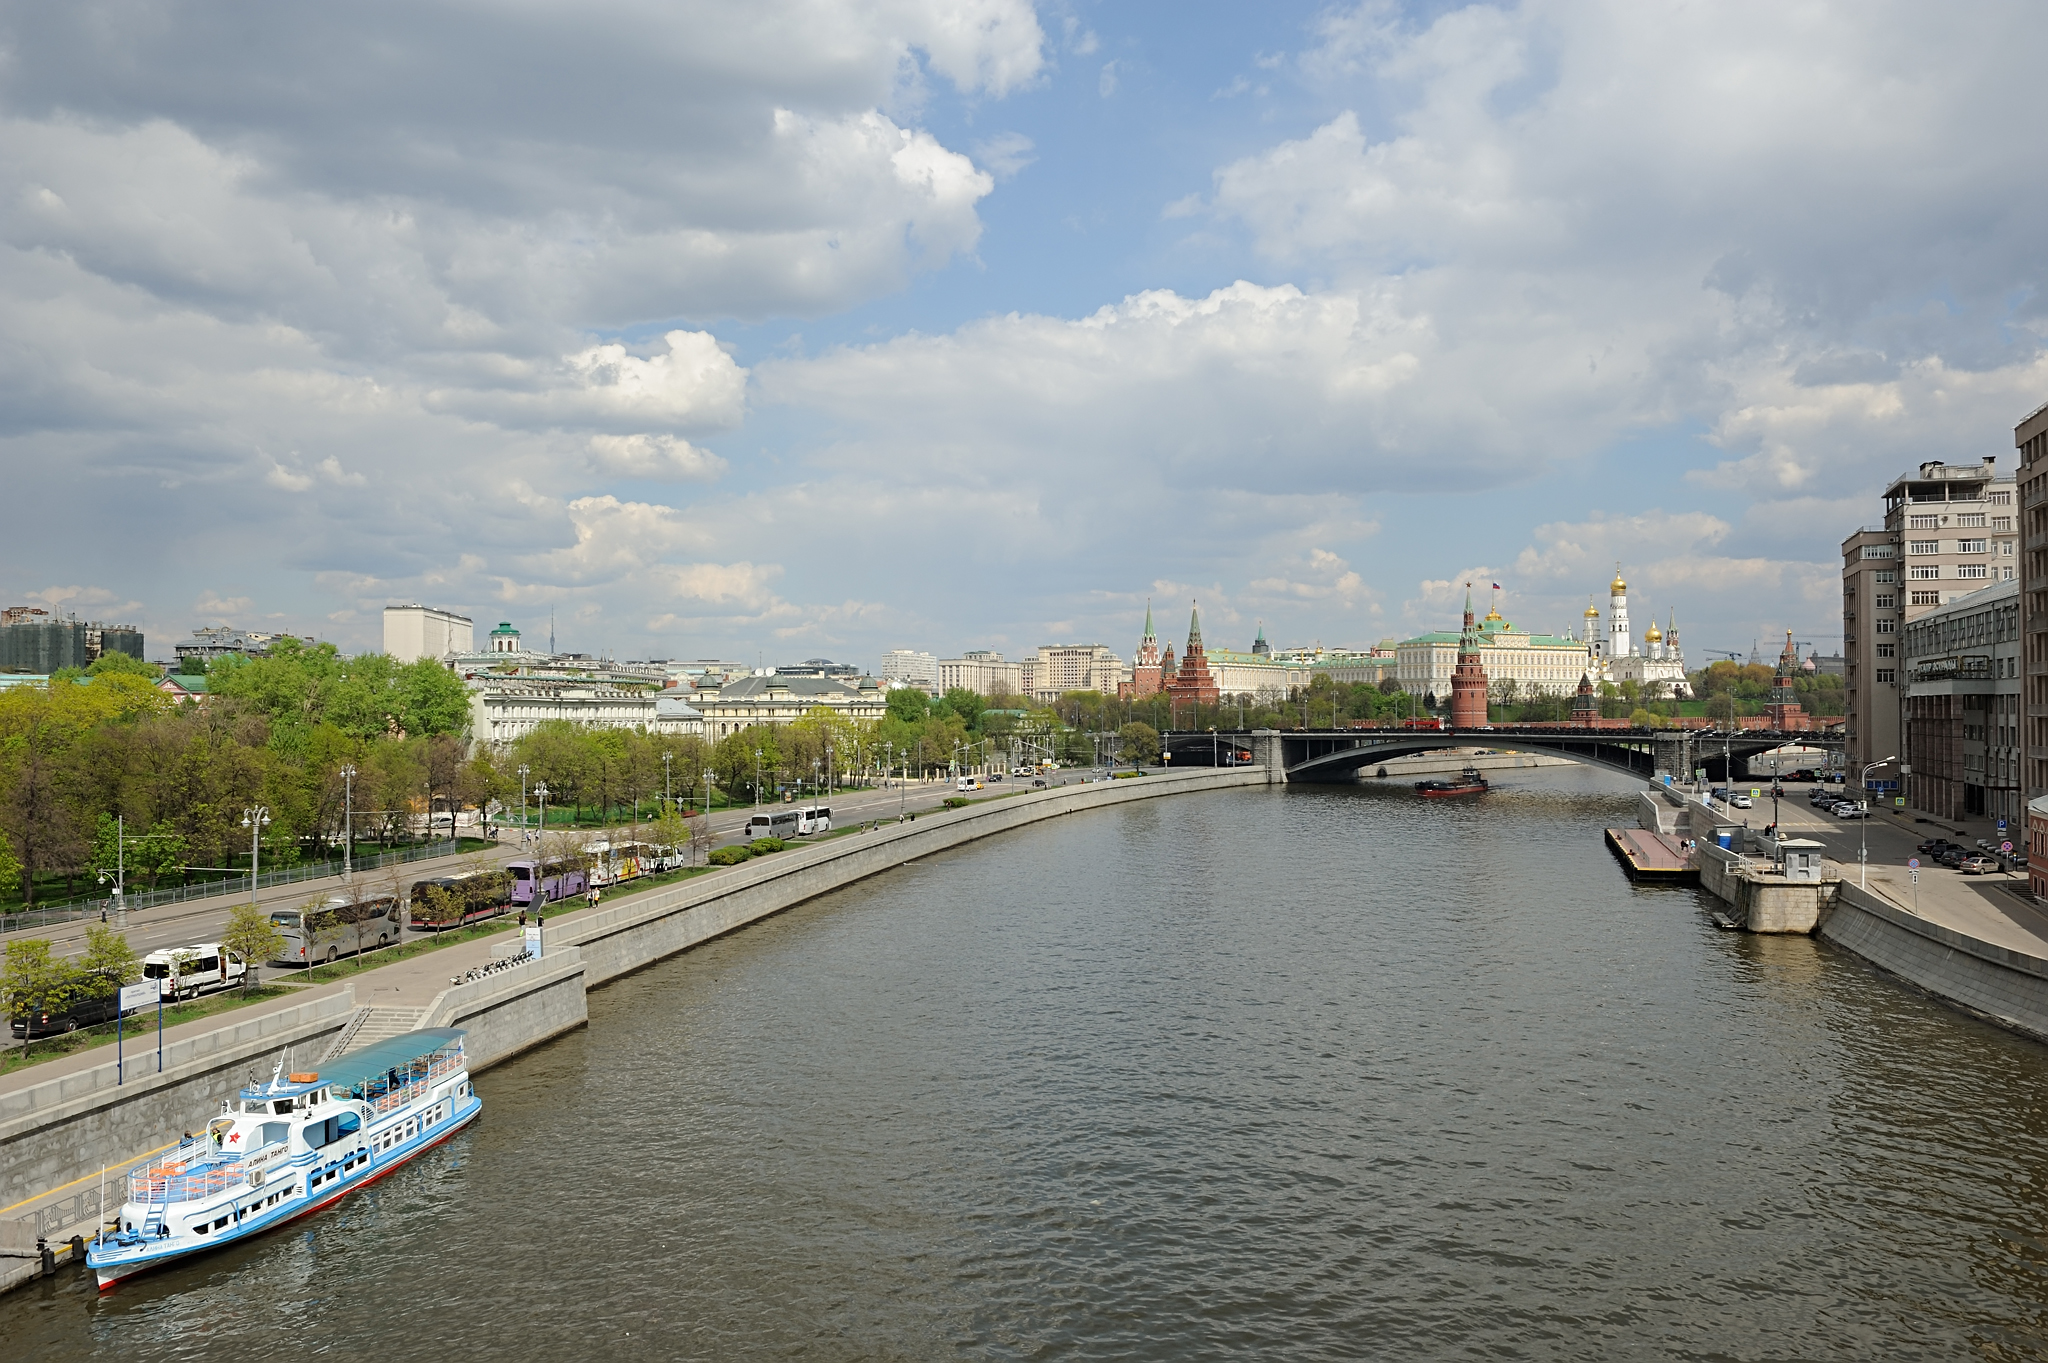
(1913, 863)
(2001, 825)
(1898, 802)
(2005, 847)
(134, 996)
(1915, 875)
(1755, 794)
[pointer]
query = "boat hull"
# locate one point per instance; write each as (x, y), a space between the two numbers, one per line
(115, 1268)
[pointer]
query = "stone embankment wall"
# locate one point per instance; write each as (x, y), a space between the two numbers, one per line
(2009, 988)
(68, 1127)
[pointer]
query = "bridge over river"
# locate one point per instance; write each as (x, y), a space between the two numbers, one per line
(1339, 754)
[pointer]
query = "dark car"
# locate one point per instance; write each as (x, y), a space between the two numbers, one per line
(1950, 857)
(82, 1013)
(1934, 847)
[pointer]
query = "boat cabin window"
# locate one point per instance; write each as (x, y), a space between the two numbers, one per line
(281, 1106)
(272, 1133)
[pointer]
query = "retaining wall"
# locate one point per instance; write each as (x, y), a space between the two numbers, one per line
(2009, 988)
(516, 1009)
(67, 1127)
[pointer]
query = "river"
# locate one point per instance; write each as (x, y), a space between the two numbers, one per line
(1306, 1073)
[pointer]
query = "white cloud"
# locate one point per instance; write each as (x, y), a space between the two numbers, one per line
(214, 604)
(1006, 154)
(1105, 83)
(653, 456)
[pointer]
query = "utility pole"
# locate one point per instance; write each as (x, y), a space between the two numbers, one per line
(253, 819)
(348, 822)
(525, 833)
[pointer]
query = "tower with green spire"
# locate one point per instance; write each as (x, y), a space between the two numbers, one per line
(1191, 680)
(1259, 645)
(1146, 678)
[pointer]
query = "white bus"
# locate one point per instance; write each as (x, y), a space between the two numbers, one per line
(338, 927)
(190, 971)
(816, 819)
(780, 824)
(967, 783)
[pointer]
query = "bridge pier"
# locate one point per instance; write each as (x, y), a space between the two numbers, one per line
(1267, 753)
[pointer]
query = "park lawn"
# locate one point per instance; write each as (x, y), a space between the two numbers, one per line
(139, 1026)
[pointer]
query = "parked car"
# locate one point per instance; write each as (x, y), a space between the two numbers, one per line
(1848, 810)
(1933, 845)
(83, 1013)
(1977, 866)
(1951, 857)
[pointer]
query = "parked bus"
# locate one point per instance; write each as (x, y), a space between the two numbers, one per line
(453, 901)
(816, 819)
(780, 824)
(553, 880)
(340, 926)
(191, 971)
(611, 863)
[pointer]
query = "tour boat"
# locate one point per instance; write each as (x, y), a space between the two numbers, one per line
(1468, 782)
(294, 1145)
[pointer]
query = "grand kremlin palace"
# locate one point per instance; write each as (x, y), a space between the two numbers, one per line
(1545, 663)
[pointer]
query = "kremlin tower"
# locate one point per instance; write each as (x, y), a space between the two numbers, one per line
(1146, 673)
(1468, 678)
(1191, 680)
(1784, 710)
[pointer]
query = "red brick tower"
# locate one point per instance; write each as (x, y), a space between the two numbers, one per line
(1468, 678)
(1784, 710)
(1191, 680)
(1147, 677)
(1586, 704)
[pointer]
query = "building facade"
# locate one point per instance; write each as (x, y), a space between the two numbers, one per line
(983, 672)
(1962, 754)
(910, 667)
(414, 631)
(737, 705)
(502, 709)
(1656, 665)
(34, 641)
(504, 639)
(2030, 437)
(1537, 664)
(1060, 668)
(222, 641)
(1949, 530)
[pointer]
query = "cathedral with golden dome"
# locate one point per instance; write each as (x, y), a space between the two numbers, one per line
(1657, 667)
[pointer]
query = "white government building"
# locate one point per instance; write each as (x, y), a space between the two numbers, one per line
(414, 631)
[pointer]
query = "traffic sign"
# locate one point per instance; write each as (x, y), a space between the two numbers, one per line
(1755, 794)
(1898, 802)
(2001, 825)
(2005, 847)
(1915, 875)
(1913, 863)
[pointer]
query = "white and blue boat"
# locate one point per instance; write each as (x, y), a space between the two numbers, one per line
(281, 1150)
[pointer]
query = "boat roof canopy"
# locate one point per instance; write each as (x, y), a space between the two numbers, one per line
(372, 1061)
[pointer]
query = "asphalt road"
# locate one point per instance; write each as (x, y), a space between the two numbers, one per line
(201, 920)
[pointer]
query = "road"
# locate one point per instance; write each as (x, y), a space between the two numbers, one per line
(201, 920)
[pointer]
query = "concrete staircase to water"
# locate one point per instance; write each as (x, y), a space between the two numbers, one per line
(371, 1025)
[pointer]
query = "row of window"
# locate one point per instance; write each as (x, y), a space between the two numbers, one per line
(1969, 520)
(1962, 547)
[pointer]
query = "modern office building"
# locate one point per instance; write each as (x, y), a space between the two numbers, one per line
(414, 631)
(1960, 666)
(1948, 531)
(911, 667)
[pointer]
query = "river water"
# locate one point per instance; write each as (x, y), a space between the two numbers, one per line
(1307, 1073)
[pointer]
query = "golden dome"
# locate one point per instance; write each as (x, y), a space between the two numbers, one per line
(1653, 635)
(1592, 611)
(1617, 586)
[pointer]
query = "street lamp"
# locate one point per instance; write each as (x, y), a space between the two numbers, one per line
(1863, 829)
(757, 778)
(254, 818)
(348, 822)
(120, 879)
(525, 833)
(541, 791)
(666, 758)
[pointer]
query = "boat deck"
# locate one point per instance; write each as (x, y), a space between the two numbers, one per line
(1651, 856)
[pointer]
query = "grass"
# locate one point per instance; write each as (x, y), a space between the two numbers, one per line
(139, 1027)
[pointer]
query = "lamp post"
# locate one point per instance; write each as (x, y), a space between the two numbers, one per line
(1863, 824)
(541, 791)
(666, 758)
(757, 778)
(707, 816)
(525, 833)
(348, 820)
(120, 884)
(253, 819)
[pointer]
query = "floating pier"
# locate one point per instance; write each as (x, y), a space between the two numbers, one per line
(1659, 858)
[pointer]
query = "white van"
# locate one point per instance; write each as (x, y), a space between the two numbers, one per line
(967, 783)
(815, 819)
(198, 969)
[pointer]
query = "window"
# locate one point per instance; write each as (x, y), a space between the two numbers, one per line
(1885, 603)
(1887, 626)
(1972, 570)
(2000, 499)
(1923, 546)
(1885, 675)
(2005, 548)
(1887, 650)
(1973, 546)
(2001, 522)
(1970, 521)
(1922, 522)
(1885, 575)
(1923, 573)
(1877, 551)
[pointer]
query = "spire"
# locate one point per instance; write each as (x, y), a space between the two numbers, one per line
(1194, 627)
(1148, 619)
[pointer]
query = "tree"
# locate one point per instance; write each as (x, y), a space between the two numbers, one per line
(908, 704)
(10, 870)
(1721, 707)
(670, 828)
(108, 663)
(1139, 743)
(252, 936)
(32, 980)
(109, 962)
(161, 850)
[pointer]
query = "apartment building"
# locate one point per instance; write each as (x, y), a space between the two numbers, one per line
(1949, 530)
(1960, 666)
(1060, 668)
(911, 667)
(982, 671)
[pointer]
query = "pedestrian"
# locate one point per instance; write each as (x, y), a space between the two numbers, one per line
(522, 918)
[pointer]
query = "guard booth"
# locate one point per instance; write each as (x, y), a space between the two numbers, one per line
(1802, 859)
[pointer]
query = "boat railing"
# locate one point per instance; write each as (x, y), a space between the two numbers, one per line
(422, 1075)
(202, 1174)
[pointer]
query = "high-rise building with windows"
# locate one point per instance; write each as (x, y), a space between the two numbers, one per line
(911, 667)
(1949, 530)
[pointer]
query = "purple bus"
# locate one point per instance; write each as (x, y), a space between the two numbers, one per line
(556, 882)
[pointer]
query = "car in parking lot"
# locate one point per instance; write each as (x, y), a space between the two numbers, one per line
(1977, 866)
(1932, 846)
(1849, 809)
(1951, 857)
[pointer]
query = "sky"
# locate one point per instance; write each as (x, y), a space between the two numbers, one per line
(773, 329)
